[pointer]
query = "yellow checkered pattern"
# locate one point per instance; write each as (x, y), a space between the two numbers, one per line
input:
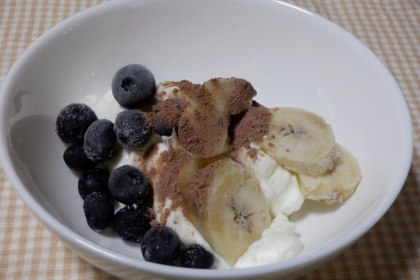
(390, 250)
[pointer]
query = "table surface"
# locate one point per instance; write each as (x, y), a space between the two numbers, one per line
(390, 250)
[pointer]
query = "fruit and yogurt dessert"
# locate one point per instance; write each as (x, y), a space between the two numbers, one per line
(201, 171)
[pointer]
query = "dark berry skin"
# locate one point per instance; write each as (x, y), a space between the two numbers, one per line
(161, 245)
(95, 180)
(75, 158)
(131, 223)
(132, 129)
(73, 121)
(100, 141)
(195, 256)
(133, 86)
(99, 211)
(128, 185)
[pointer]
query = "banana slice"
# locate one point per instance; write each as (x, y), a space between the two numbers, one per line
(300, 141)
(235, 94)
(203, 126)
(336, 185)
(203, 129)
(225, 204)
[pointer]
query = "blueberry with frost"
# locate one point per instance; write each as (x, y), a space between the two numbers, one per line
(128, 185)
(132, 129)
(133, 86)
(162, 245)
(99, 211)
(94, 180)
(195, 256)
(132, 222)
(100, 140)
(73, 121)
(76, 159)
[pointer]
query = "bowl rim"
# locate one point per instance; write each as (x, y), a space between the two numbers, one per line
(63, 232)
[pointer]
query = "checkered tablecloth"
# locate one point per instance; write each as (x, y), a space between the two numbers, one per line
(390, 250)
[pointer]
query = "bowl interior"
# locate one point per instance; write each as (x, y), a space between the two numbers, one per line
(292, 58)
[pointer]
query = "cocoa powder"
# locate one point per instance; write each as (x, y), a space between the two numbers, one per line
(166, 188)
(200, 128)
(148, 119)
(197, 187)
(168, 112)
(243, 92)
(252, 126)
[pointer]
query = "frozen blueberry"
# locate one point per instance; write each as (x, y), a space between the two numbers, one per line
(195, 256)
(95, 180)
(75, 158)
(100, 141)
(128, 185)
(132, 129)
(99, 211)
(73, 121)
(131, 223)
(133, 86)
(161, 245)
(166, 115)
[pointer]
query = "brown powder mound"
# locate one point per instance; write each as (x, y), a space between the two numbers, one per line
(253, 126)
(197, 93)
(168, 112)
(202, 133)
(163, 176)
(202, 127)
(188, 91)
(148, 118)
(234, 93)
(204, 124)
(172, 162)
(243, 92)
(181, 90)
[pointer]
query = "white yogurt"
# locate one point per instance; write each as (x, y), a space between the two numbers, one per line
(280, 187)
(105, 107)
(278, 243)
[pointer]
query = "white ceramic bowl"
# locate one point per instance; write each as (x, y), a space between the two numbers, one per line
(291, 56)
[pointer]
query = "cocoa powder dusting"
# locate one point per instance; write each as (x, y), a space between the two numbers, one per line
(148, 118)
(202, 128)
(168, 112)
(243, 92)
(253, 126)
(252, 153)
(197, 188)
(162, 172)
(173, 161)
